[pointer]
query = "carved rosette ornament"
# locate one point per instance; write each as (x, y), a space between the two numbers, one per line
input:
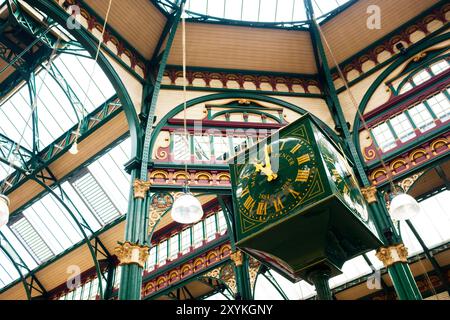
(140, 188)
(132, 253)
(370, 194)
(392, 254)
(237, 258)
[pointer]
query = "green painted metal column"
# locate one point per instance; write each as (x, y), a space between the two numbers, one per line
(394, 254)
(397, 267)
(320, 280)
(134, 251)
(239, 258)
(244, 290)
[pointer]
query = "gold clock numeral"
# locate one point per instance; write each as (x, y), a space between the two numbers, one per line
(302, 175)
(304, 158)
(245, 191)
(249, 203)
(294, 193)
(295, 149)
(278, 204)
(262, 208)
(282, 145)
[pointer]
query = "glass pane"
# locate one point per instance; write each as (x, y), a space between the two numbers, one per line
(222, 221)
(162, 253)
(239, 144)
(173, 247)
(422, 117)
(185, 240)
(403, 127)
(151, 261)
(202, 148)
(439, 66)
(406, 87)
(210, 226)
(215, 8)
(440, 106)
(181, 147)
(421, 77)
(384, 137)
(198, 234)
(221, 148)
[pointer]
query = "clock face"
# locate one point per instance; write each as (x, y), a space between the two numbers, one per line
(343, 177)
(277, 181)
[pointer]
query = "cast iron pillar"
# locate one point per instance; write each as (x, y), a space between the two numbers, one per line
(244, 291)
(134, 251)
(394, 254)
(320, 278)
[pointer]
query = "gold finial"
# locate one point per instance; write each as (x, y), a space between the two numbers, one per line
(392, 254)
(132, 253)
(370, 193)
(141, 188)
(237, 258)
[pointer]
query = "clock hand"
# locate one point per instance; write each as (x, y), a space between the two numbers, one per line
(267, 171)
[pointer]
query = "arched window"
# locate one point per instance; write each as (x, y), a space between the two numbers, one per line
(419, 76)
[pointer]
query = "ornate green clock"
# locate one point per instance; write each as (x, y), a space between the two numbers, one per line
(297, 203)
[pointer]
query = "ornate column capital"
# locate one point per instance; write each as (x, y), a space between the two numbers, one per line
(140, 188)
(132, 253)
(370, 193)
(237, 257)
(392, 254)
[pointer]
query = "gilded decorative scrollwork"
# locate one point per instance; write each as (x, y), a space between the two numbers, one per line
(160, 202)
(132, 253)
(237, 258)
(140, 188)
(406, 183)
(228, 276)
(253, 268)
(392, 254)
(370, 193)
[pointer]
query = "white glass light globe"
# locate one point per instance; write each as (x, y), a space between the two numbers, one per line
(404, 207)
(4, 210)
(186, 209)
(74, 148)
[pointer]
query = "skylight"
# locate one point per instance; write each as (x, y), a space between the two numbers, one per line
(278, 12)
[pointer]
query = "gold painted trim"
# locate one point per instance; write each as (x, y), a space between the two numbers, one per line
(140, 188)
(132, 253)
(370, 194)
(237, 258)
(392, 254)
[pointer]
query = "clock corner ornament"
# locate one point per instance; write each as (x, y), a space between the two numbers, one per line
(297, 203)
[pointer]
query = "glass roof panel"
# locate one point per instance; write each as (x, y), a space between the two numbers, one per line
(7, 271)
(264, 11)
(56, 113)
(46, 228)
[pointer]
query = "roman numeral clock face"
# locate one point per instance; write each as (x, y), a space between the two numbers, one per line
(344, 178)
(278, 182)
